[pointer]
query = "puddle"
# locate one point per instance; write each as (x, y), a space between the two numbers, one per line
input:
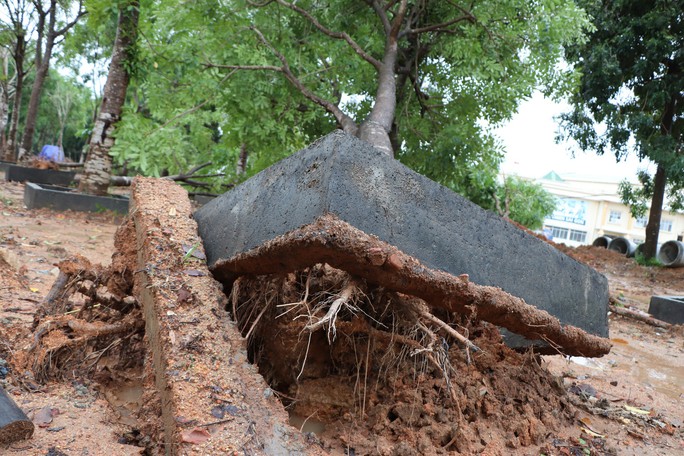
(126, 400)
(305, 424)
(664, 373)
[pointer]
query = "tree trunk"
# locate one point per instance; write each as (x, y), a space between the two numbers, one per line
(98, 163)
(5, 95)
(19, 54)
(376, 128)
(42, 67)
(659, 183)
(653, 226)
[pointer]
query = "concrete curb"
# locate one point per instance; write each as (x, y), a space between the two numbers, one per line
(61, 199)
(668, 308)
(39, 176)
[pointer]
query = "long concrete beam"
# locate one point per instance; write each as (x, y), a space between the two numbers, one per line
(347, 177)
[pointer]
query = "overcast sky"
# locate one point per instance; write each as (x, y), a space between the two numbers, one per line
(532, 151)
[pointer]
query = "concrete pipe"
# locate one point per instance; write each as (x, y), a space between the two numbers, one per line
(672, 254)
(602, 241)
(623, 245)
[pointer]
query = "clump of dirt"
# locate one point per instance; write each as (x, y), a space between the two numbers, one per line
(357, 365)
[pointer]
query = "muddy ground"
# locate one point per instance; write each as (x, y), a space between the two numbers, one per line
(379, 397)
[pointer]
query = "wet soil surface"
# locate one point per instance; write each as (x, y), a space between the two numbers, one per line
(361, 393)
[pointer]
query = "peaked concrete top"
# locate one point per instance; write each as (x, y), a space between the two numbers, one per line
(343, 175)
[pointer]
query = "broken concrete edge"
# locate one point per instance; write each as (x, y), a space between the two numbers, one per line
(333, 241)
(63, 198)
(14, 424)
(185, 379)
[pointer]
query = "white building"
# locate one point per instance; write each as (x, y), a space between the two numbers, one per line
(590, 207)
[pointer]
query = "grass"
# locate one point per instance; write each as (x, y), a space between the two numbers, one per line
(643, 261)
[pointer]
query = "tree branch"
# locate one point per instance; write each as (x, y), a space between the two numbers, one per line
(345, 121)
(336, 35)
(382, 15)
(443, 27)
(81, 13)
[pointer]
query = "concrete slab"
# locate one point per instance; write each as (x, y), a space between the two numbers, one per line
(668, 308)
(4, 165)
(64, 198)
(342, 175)
(39, 176)
(196, 354)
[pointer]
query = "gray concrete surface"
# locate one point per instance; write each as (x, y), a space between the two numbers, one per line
(39, 176)
(62, 199)
(345, 176)
(668, 308)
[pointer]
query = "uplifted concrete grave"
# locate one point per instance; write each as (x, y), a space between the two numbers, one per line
(347, 177)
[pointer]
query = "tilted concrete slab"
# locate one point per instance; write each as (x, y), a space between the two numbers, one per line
(345, 176)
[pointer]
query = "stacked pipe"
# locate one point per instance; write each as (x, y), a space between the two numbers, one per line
(602, 241)
(623, 246)
(671, 254)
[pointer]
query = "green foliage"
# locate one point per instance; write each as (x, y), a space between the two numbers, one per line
(526, 202)
(643, 261)
(638, 197)
(632, 83)
(183, 111)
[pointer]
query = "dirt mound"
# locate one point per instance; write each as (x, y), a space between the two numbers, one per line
(374, 380)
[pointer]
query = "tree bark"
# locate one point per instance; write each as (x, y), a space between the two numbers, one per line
(653, 225)
(43, 56)
(18, 55)
(42, 60)
(98, 163)
(659, 183)
(376, 128)
(4, 96)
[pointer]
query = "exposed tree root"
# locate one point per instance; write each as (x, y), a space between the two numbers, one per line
(81, 320)
(330, 240)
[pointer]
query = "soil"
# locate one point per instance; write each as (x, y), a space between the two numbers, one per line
(371, 389)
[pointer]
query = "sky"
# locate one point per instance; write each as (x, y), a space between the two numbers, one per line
(529, 139)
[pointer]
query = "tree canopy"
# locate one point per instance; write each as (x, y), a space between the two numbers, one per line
(217, 78)
(633, 86)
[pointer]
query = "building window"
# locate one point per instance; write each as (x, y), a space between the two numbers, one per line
(666, 225)
(614, 217)
(558, 232)
(641, 222)
(579, 236)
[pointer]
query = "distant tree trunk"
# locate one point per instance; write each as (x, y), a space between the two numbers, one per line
(653, 226)
(98, 165)
(42, 62)
(19, 55)
(659, 182)
(43, 56)
(4, 95)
